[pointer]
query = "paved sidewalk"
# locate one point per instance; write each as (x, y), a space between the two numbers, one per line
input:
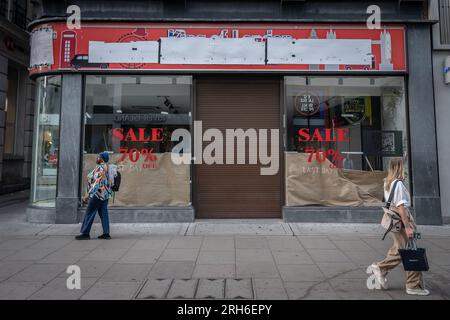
(255, 259)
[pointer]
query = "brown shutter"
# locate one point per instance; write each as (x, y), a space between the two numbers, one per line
(237, 191)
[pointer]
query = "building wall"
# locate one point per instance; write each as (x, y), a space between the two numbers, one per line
(422, 124)
(15, 169)
(442, 105)
(28, 129)
(3, 86)
(413, 14)
(255, 10)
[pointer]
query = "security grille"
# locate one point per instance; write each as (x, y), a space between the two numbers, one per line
(237, 190)
(444, 21)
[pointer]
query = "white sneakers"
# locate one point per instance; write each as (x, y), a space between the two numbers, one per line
(382, 281)
(418, 292)
(379, 277)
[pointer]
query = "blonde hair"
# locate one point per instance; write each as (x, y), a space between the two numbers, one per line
(395, 172)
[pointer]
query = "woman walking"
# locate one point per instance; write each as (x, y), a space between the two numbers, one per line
(401, 201)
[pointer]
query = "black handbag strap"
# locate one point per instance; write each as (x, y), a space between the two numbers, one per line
(387, 206)
(387, 231)
(391, 195)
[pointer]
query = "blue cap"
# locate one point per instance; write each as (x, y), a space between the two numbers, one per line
(104, 155)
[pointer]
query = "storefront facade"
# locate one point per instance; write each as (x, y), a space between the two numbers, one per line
(326, 106)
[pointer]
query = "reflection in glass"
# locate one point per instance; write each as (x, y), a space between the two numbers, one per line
(46, 141)
(133, 118)
(369, 111)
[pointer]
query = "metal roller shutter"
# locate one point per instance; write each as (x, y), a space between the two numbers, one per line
(237, 191)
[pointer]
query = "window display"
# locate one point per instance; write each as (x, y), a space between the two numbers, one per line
(341, 133)
(46, 141)
(133, 117)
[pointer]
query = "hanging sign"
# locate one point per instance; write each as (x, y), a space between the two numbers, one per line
(226, 47)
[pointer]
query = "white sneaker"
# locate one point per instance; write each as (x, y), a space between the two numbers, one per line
(418, 292)
(379, 276)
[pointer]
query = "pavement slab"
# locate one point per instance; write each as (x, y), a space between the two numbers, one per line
(296, 272)
(310, 291)
(217, 257)
(42, 273)
(268, 289)
(155, 289)
(57, 290)
(172, 270)
(10, 290)
(126, 272)
(10, 268)
(218, 243)
(265, 269)
(238, 289)
(90, 269)
(214, 271)
(211, 289)
(111, 291)
(182, 289)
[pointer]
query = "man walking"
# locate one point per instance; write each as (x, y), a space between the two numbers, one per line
(99, 191)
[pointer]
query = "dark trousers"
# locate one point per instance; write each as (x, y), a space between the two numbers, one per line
(95, 205)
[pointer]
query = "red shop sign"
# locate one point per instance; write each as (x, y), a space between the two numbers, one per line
(216, 46)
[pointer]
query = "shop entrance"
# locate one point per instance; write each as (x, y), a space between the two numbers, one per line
(237, 190)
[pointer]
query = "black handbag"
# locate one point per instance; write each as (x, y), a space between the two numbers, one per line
(413, 258)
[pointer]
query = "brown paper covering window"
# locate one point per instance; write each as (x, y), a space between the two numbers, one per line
(315, 183)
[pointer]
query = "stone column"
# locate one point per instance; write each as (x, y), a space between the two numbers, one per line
(28, 128)
(3, 88)
(422, 124)
(67, 198)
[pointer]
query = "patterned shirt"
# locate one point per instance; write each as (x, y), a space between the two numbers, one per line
(98, 183)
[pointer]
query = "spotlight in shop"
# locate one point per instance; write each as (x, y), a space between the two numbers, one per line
(169, 105)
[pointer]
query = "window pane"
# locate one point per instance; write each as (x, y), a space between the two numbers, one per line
(46, 141)
(10, 109)
(133, 118)
(343, 131)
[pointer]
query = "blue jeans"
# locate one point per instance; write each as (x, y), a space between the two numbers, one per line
(96, 205)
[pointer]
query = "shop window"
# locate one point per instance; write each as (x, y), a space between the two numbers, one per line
(46, 141)
(10, 110)
(133, 117)
(341, 134)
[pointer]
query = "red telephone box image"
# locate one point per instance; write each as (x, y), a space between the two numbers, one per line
(68, 44)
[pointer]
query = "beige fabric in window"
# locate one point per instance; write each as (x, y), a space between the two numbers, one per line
(167, 185)
(315, 183)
